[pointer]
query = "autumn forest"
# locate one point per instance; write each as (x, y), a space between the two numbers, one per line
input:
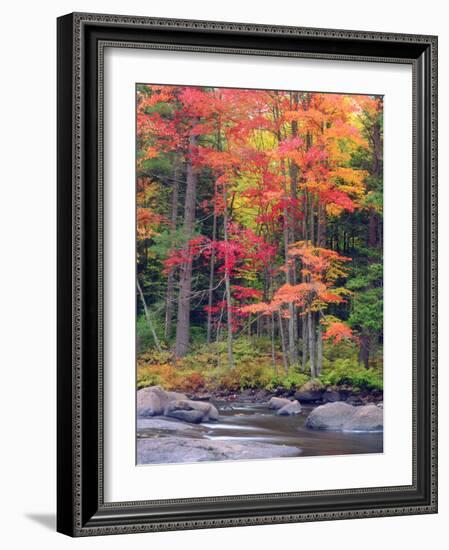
(259, 239)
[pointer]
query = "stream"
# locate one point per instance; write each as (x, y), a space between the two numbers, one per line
(254, 424)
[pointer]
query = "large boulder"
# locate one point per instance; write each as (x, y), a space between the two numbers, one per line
(152, 401)
(290, 409)
(365, 419)
(345, 417)
(330, 416)
(278, 402)
(204, 412)
(310, 391)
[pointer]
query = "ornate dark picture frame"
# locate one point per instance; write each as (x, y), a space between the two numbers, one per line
(81, 509)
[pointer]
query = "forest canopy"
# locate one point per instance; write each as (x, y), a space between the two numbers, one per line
(259, 237)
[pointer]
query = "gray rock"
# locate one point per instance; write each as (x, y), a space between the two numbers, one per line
(278, 402)
(345, 392)
(152, 401)
(204, 397)
(367, 418)
(158, 423)
(166, 450)
(380, 405)
(261, 395)
(290, 409)
(331, 396)
(345, 417)
(310, 391)
(209, 411)
(206, 410)
(192, 416)
(331, 416)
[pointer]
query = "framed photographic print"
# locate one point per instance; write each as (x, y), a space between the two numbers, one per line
(247, 288)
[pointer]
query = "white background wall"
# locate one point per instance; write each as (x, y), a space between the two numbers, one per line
(27, 272)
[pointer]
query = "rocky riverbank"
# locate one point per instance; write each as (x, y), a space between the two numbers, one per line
(173, 427)
(311, 392)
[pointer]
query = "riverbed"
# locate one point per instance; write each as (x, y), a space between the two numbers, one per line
(245, 430)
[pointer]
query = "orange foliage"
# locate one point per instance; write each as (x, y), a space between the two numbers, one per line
(338, 331)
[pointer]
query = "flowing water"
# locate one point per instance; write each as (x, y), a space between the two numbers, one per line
(242, 421)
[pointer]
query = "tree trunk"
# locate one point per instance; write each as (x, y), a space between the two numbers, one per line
(304, 218)
(372, 228)
(364, 350)
(305, 342)
(273, 351)
(294, 173)
(211, 280)
(284, 347)
(321, 237)
(319, 348)
(312, 220)
(148, 317)
(377, 148)
(292, 353)
(227, 280)
(171, 278)
(376, 137)
(311, 327)
(185, 282)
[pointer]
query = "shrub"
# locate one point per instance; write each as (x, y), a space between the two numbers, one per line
(161, 375)
(207, 368)
(246, 374)
(342, 350)
(292, 380)
(205, 357)
(155, 357)
(345, 371)
(192, 382)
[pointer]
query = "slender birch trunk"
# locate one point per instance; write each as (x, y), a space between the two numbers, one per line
(148, 316)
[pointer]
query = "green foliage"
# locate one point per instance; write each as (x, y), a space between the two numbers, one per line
(145, 338)
(346, 349)
(165, 240)
(293, 380)
(367, 313)
(367, 304)
(247, 374)
(344, 371)
(363, 278)
(207, 369)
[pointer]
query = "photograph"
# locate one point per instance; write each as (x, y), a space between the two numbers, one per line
(259, 273)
